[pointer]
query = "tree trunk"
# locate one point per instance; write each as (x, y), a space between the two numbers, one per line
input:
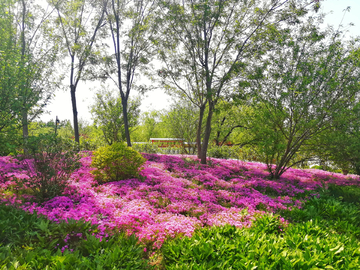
(126, 122)
(24, 112)
(25, 130)
(198, 133)
(76, 124)
(207, 133)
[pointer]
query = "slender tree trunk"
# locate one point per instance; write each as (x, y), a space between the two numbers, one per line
(76, 123)
(198, 133)
(126, 122)
(24, 112)
(25, 129)
(207, 133)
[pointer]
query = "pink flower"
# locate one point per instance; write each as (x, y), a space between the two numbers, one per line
(175, 196)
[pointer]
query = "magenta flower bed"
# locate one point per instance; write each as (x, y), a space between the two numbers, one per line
(174, 195)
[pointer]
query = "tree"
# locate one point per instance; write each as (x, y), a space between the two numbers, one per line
(129, 23)
(228, 117)
(151, 126)
(181, 122)
(80, 22)
(108, 115)
(205, 44)
(309, 79)
(9, 57)
(27, 53)
(341, 143)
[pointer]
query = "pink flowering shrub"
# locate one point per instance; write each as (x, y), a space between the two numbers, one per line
(175, 195)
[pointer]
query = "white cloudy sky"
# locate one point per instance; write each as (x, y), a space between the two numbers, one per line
(157, 99)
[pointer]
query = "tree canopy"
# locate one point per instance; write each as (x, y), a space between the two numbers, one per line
(307, 81)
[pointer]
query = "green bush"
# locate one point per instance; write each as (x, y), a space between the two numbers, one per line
(49, 162)
(247, 153)
(349, 194)
(116, 162)
(224, 152)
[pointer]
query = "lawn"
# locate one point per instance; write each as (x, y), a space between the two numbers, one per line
(179, 214)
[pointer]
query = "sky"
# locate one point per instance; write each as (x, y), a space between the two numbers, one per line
(157, 99)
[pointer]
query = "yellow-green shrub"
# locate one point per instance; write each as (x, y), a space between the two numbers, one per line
(116, 162)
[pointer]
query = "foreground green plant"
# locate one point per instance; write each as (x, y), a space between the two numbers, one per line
(32, 242)
(329, 212)
(349, 194)
(302, 246)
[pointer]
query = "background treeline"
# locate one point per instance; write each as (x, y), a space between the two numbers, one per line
(260, 75)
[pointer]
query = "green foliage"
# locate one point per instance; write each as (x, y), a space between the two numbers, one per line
(10, 105)
(269, 224)
(151, 126)
(146, 148)
(155, 149)
(224, 152)
(228, 121)
(28, 241)
(301, 246)
(251, 153)
(91, 136)
(340, 145)
(201, 75)
(349, 194)
(247, 153)
(331, 213)
(181, 121)
(116, 162)
(107, 112)
(324, 235)
(326, 168)
(17, 227)
(52, 162)
(310, 81)
(10, 140)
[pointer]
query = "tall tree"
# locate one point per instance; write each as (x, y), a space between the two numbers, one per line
(80, 22)
(28, 42)
(129, 23)
(205, 44)
(308, 81)
(9, 57)
(10, 104)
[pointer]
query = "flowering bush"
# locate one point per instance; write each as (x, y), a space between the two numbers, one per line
(46, 173)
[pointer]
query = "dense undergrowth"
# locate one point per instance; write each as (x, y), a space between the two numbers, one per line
(179, 214)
